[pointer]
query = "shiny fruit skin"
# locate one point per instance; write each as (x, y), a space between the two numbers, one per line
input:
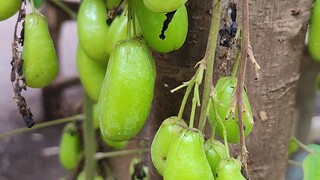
(229, 169)
(40, 66)
(215, 152)
(95, 116)
(114, 144)
(70, 147)
(186, 158)
(162, 141)
(127, 90)
(91, 74)
(151, 24)
(314, 32)
(225, 88)
(93, 29)
(8, 8)
(163, 6)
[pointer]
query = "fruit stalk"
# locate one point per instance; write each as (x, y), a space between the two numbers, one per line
(89, 139)
(240, 83)
(65, 8)
(100, 155)
(42, 125)
(208, 60)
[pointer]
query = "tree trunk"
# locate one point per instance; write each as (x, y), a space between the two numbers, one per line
(277, 38)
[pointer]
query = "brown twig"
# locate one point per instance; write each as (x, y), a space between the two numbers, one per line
(240, 84)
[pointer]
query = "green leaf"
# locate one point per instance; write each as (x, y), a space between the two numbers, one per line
(292, 147)
(311, 167)
(315, 148)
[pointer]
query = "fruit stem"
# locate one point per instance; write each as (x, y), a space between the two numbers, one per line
(42, 125)
(224, 131)
(208, 60)
(65, 8)
(129, 20)
(294, 163)
(194, 104)
(303, 146)
(89, 139)
(103, 155)
(185, 97)
(33, 6)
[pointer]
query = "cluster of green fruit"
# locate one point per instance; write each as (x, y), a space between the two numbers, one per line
(115, 65)
(180, 152)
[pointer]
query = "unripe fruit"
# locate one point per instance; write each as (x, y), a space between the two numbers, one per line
(114, 144)
(163, 6)
(8, 8)
(225, 89)
(229, 169)
(151, 24)
(40, 66)
(215, 152)
(127, 91)
(162, 141)
(314, 29)
(70, 147)
(186, 157)
(91, 74)
(93, 29)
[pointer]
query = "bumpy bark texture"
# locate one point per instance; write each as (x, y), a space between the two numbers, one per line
(277, 37)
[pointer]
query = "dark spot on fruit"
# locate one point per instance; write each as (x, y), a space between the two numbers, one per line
(166, 23)
(216, 174)
(164, 158)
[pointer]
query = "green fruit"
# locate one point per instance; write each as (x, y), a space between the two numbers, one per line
(163, 6)
(314, 29)
(112, 3)
(151, 24)
(8, 8)
(95, 116)
(186, 158)
(82, 176)
(118, 30)
(40, 66)
(114, 144)
(70, 147)
(137, 170)
(229, 169)
(225, 89)
(215, 152)
(311, 166)
(93, 29)
(127, 90)
(314, 147)
(163, 139)
(91, 74)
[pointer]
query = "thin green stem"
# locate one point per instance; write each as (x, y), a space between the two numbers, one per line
(294, 163)
(303, 146)
(33, 6)
(224, 131)
(214, 125)
(65, 8)
(42, 125)
(194, 104)
(185, 97)
(101, 155)
(236, 63)
(129, 20)
(209, 60)
(89, 139)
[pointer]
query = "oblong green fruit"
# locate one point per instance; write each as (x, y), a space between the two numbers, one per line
(114, 144)
(95, 116)
(311, 166)
(70, 147)
(163, 6)
(40, 66)
(93, 29)
(127, 91)
(229, 169)
(151, 24)
(314, 29)
(215, 152)
(91, 74)
(186, 158)
(225, 90)
(8, 8)
(163, 139)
